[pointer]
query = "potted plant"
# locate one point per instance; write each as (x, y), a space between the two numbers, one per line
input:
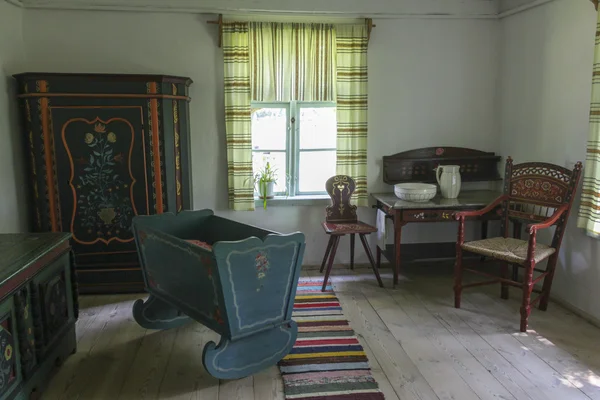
(264, 182)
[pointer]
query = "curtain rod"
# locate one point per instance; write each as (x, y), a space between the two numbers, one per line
(219, 21)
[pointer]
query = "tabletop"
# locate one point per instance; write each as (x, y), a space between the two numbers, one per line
(467, 199)
(19, 250)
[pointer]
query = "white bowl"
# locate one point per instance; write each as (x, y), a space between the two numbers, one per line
(416, 192)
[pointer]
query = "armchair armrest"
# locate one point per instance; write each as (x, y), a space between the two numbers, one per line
(548, 222)
(485, 210)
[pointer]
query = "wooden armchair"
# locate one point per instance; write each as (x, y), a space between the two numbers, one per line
(341, 220)
(541, 195)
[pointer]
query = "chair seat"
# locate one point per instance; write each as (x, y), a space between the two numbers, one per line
(507, 249)
(346, 228)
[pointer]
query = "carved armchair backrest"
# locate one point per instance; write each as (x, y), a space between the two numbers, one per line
(535, 190)
(340, 189)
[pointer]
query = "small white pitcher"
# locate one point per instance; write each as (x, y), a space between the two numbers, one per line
(448, 177)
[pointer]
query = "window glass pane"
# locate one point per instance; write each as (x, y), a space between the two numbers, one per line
(277, 162)
(314, 170)
(318, 127)
(269, 126)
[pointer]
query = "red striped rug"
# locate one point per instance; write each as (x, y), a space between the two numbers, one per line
(327, 361)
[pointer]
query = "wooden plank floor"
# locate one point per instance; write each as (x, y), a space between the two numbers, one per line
(418, 345)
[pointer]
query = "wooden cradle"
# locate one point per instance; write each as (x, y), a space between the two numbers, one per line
(236, 279)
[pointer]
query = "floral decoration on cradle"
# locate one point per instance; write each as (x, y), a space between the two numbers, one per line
(207, 263)
(151, 280)
(103, 208)
(262, 266)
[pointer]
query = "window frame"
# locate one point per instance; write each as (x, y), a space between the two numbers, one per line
(286, 106)
(292, 149)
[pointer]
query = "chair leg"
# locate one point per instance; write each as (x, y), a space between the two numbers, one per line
(484, 233)
(378, 257)
(336, 240)
(517, 235)
(326, 253)
(458, 277)
(352, 238)
(548, 282)
(527, 289)
(504, 286)
(370, 256)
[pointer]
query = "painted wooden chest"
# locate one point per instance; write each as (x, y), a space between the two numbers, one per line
(236, 279)
(38, 310)
(103, 148)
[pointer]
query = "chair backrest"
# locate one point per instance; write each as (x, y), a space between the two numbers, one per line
(340, 189)
(535, 190)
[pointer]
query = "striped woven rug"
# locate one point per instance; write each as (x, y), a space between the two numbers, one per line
(327, 361)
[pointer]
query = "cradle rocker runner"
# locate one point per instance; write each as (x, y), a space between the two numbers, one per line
(236, 279)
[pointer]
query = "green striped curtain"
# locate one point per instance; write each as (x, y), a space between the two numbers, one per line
(352, 105)
(236, 59)
(589, 212)
(292, 61)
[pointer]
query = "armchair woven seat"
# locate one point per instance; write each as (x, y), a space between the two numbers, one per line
(539, 195)
(508, 249)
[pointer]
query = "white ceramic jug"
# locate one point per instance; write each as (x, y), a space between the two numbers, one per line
(448, 177)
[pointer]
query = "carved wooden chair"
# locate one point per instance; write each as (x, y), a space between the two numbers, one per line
(341, 220)
(540, 195)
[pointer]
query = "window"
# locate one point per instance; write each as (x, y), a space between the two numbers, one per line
(298, 139)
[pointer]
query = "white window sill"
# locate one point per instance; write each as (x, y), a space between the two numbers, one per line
(308, 200)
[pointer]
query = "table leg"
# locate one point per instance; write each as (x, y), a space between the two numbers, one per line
(398, 224)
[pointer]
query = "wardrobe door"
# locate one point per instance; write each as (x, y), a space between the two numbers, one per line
(102, 180)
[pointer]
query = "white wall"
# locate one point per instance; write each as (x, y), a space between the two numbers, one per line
(432, 82)
(520, 87)
(506, 5)
(12, 212)
(547, 55)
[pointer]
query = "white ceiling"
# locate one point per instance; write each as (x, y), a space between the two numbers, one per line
(362, 8)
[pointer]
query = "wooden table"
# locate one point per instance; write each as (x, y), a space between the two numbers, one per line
(437, 209)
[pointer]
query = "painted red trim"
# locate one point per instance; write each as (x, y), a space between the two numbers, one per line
(48, 155)
(143, 153)
(107, 95)
(156, 148)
